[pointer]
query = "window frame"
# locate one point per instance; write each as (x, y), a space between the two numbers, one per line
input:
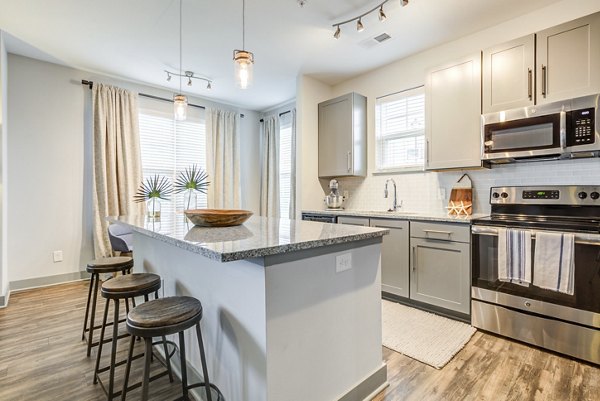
(411, 92)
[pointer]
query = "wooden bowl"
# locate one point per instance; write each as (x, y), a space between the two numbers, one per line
(217, 217)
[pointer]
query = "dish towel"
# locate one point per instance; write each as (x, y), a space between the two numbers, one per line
(514, 256)
(554, 264)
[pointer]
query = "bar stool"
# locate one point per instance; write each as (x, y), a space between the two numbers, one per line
(162, 317)
(122, 264)
(124, 288)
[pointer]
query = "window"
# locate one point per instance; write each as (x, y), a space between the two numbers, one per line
(168, 147)
(285, 164)
(400, 131)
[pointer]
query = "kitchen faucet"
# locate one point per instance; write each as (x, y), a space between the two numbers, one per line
(395, 206)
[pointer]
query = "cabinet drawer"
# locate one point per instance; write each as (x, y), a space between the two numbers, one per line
(357, 221)
(441, 231)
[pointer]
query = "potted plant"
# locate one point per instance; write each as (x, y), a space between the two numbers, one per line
(191, 181)
(151, 191)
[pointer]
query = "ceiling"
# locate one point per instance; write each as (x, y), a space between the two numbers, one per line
(138, 39)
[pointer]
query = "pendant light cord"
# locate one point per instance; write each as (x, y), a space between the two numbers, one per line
(180, 42)
(243, 24)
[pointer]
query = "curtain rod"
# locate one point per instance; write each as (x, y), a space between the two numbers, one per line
(90, 84)
(280, 114)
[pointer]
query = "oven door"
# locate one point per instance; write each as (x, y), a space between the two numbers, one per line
(540, 136)
(582, 307)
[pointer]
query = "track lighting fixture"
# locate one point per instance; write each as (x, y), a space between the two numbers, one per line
(190, 75)
(359, 24)
(382, 16)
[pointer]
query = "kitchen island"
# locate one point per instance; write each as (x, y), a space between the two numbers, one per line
(292, 309)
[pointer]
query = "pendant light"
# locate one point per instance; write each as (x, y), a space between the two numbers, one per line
(243, 60)
(180, 102)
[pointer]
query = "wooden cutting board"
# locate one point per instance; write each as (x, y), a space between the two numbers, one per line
(462, 191)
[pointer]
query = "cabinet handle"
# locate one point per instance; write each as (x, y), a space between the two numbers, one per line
(544, 76)
(448, 233)
(529, 83)
(414, 258)
(348, 154)
(427, 153)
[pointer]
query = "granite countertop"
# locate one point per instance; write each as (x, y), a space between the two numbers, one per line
(401, 215)
(258, 237)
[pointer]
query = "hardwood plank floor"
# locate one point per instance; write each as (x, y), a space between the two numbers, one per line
(43, 358)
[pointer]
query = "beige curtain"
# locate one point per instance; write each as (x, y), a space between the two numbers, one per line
(269, 183)
(117, 160)
(293, 209)
(223, 159)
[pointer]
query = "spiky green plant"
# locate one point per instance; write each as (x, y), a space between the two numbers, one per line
(193, 178)
(154, 187)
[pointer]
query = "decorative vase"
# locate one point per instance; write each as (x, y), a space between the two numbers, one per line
(190, 200)
(153, 208)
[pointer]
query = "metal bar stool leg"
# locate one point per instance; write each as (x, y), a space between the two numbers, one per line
(93, 316)
(184, 383)
(203, 359)
(113, 354)
(87, 308)
(146, 380)
(101, 341)
(167, 358)
(128, 368)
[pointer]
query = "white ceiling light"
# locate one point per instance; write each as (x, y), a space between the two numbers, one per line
(180, 102)
(243, 60)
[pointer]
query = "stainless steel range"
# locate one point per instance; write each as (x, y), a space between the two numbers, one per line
(549, 318)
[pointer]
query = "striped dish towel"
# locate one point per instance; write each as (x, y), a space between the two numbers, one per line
(514, 256)
(554, 263)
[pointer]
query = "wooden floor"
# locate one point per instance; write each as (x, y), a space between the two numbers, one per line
(42, 357)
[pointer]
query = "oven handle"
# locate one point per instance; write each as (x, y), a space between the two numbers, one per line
(580, 238)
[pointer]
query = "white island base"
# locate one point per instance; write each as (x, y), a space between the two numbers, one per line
(283, 327)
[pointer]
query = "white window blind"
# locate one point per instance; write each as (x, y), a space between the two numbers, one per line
(285, 164)
(400, 131)
(168, 147)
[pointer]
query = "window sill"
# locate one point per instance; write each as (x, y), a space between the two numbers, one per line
(401, 170)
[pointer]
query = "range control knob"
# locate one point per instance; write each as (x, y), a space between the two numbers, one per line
(495, 195)
(582, 195)
(504, 195)
(594, 195)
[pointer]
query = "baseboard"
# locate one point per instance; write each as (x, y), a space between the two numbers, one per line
(4, 299)
(369, 387)
(27, 284)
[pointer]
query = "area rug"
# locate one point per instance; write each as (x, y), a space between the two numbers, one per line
(423, 336)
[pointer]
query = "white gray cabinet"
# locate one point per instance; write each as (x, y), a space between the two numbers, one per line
(568, 60)
(558, 63)
(453, 115)
(343, 136)
(508, 75)
(394, 256)
(357, 221)
(440, 272)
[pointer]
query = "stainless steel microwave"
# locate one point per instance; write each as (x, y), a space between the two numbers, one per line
(560, 130)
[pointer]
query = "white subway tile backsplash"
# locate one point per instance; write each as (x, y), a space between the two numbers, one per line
(419, 191)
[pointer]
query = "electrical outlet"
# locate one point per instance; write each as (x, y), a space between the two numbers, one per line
(441, 193)
(57, 256)
(343, 262)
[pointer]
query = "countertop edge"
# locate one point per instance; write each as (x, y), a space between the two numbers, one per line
(395, 216)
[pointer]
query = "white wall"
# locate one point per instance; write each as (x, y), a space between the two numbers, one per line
(310, 92)
(3, 170)
(49, 165)
(419, 190)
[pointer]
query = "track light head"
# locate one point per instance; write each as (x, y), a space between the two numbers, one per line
(404, 2)
(189, 81)
(337, 33)
(209, 85)
(382, 16)
(168, 76)
(359, 25)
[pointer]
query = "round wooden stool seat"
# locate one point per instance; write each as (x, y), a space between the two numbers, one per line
(164, 316)
(131, 285)
(109, 265)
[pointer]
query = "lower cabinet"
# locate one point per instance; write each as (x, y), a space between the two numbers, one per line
(394, 258)
(440, 271)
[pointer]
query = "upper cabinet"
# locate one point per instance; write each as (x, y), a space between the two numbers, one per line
(568, 60)
(453, 115)
(508, 75)
(343, 136)
(555, 64)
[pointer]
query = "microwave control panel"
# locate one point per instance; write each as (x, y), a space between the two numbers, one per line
(582, 127)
